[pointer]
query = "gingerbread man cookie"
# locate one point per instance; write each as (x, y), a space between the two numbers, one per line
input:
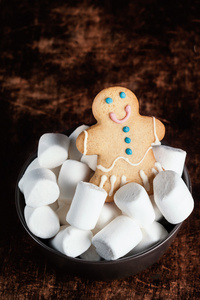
(122, 140)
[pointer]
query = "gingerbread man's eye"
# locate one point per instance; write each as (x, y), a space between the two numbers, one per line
(122, 95)
(109, 100)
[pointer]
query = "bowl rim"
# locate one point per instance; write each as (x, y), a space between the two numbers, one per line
(42, 244)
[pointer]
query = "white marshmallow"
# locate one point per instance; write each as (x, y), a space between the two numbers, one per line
(172, 197)
(71, 173)
(52, 149)
(170, 158)
(86, 206)
(42, 221)
(40, 187)
(71, 241)
(117, 238)
(108, 213)
(134, 202)
(33, 165)
(151, 235)
(90, 160)
(73, 151)
(91, 254)
(62, 212)
(158, 214)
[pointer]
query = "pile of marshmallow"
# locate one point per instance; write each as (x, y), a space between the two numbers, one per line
(63, 207)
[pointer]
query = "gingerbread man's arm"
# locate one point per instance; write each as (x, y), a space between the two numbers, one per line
(159, 129)
(87, 142)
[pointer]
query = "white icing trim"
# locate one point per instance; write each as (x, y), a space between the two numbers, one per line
(158, 166)
(85, 142)
(123, 180)
(100, 167)
(145, 180)
(113, 178)
(157, 142)
(154, 171)
(103, 180)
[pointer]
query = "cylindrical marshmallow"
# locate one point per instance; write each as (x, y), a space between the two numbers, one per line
(117, 238)
(90, 160)
(40, 187)
(108, 213)
(71, 173)
(91, 254)
(52, 149)
(62, 212)
(170, 158)
(134, 202)
(158, 214)
(86, 206)
(42, 221)
(151, 235)
(33, 165)
(172, 197)
(71, 241)
(73, 151)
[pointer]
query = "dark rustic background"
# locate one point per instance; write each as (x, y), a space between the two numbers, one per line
(55, 56)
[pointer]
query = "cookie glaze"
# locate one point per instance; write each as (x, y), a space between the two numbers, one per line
(113, 116)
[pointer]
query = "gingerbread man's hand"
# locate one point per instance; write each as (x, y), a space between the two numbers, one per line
(159, 131)
(80, 141)
(85, 139)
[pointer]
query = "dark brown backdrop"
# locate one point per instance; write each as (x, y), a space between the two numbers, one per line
(55, 56)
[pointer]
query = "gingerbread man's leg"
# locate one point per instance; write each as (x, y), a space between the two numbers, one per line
(109, 182)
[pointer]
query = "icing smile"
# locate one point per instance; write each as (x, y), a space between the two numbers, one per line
(113, 117)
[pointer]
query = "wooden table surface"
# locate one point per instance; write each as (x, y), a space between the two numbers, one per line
(55, 56)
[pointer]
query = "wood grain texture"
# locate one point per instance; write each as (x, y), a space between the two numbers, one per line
(55, 56)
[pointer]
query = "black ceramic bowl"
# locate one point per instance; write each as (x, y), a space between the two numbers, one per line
(101, 270)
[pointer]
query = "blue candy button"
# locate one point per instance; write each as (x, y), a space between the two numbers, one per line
(126, 129)
(122, 95)
(127, 140)
(128, 151)
(109, 100)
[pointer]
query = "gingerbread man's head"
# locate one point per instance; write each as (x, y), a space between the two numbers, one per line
(115, 104)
